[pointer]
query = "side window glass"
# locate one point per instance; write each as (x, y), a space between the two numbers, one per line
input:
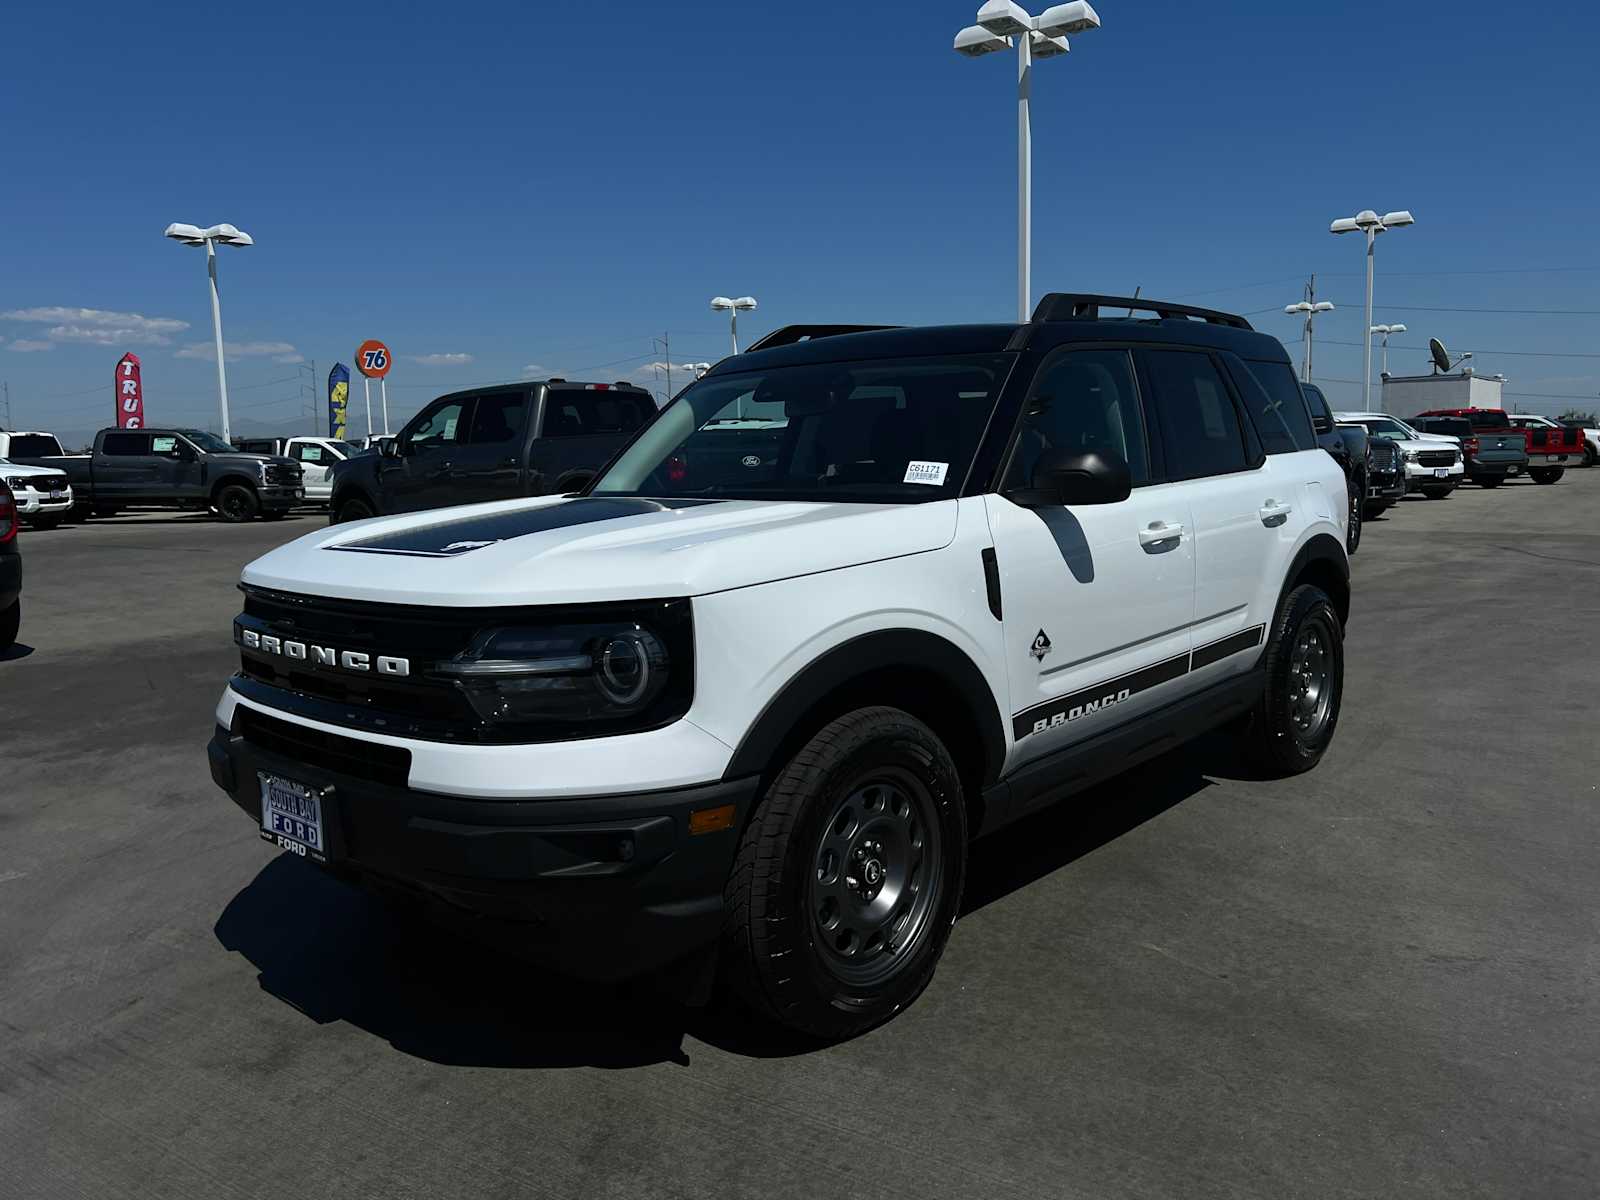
(580, 414)
(1272, 396)
(1082, 401)
(1200, 430)
(309, 452)
(126, 445)
(439, 426)
(167, 447)
(497, 419)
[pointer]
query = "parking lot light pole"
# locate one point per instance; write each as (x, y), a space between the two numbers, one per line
(733, 308)
(1384, 331)
(1002, 24)
(1311, 311)
(1372, 225)
(227, 235)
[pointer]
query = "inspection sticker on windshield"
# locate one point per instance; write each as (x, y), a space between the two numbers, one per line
(931, 473)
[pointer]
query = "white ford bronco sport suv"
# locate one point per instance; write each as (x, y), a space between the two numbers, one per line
(848, 602)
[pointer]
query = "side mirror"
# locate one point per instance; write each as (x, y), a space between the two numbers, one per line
(389, 449)
(1320, 423)
(1064, 477)
(186, 452)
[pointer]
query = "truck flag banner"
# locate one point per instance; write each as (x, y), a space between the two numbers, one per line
(338, 401)
(130, 393)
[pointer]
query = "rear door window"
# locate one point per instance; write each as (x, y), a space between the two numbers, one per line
(1273, 397)
(1200, 429)
(574, 413)
(498, 419)
(125, 445)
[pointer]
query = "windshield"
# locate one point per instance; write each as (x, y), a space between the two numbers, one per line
(34, 445)
(209, 442)
(888, 431)
(1392, 430)
(347, 449)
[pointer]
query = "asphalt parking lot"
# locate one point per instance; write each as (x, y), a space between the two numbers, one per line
(1377, 980)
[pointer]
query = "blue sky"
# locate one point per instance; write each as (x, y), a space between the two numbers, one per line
(514, 189)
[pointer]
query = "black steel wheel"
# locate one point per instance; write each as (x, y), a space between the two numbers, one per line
(1295, 720)
(848, 877)
(236, 503)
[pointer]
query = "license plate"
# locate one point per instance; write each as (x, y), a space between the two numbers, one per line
(1441, 473)
(57, 494)
(291, 816)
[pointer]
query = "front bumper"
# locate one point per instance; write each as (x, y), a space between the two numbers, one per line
(281, 497)
(1386, 487)
(602, 887)
(1419, 476)
(10, 579)
(31, 503)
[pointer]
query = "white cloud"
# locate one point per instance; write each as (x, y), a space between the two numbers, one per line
(441, 360)
(283, 352)
(99, 326)
(29, 346)
(534, 369)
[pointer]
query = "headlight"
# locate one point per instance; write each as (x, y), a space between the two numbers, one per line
(1413, 456)
(583, 678)
(17, 482)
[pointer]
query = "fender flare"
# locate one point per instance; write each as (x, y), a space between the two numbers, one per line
(1320, 548)
(234, 478)
(887, 649)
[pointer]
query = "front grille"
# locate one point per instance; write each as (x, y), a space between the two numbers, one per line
(282, 474)
(1436, 458)
(372, 761)
(44, 483)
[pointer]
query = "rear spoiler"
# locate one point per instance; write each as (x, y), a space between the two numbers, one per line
(791, 334)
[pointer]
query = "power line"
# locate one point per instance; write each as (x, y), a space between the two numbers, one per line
(1498, 312)
(1506, 353)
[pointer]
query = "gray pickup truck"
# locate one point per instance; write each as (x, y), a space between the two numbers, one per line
(177, 468)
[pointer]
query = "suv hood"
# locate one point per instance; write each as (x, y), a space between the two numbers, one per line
(8, 467)
(556, 550)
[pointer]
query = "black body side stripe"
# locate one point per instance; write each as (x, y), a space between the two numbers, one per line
(1065, 710)
(1247, 639)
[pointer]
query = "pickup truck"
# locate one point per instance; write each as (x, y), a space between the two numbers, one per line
(495, 443)
(316, 456)
(1591, 440)
(1492, 453)
(1348, 446)
(20, 446)
(176, 468)
(1547, 451)
(1430, 465)
(1552, 446)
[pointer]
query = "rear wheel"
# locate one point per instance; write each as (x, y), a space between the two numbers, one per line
(1547, 474)
(1589, 455)
(236, 504)
(10, 623)
(1295, 720)
(848, 877)
(352, 508)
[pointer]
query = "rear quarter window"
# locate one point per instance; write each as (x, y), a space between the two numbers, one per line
(1277, 407)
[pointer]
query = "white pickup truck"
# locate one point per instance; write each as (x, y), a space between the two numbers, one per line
(316, 456)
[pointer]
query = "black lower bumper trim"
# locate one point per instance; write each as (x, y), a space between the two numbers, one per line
(603, 887)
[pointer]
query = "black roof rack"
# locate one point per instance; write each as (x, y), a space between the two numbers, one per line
(1070, 306)
(790, 334)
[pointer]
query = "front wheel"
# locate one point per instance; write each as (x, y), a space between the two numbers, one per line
(1547, 474)
(10, 625)
(236, 504)
(353, 508)
(1294, 722)
(48, 520)
(848, 877)
(1437, 493)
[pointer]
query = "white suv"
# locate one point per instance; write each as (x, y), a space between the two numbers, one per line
(44, 497)
(1434, 465)
(850, 601)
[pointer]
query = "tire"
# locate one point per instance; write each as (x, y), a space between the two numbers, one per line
(351, 508)
(876, 792)
(1489, 481)
(1373, 509)
(10, 625)
(106, 510)
(236, 504)
(1283, 735)
(1547, 474)
(1589, 455)
(78, 514)
(48, 520)
(1433, 493)
(1352, 533)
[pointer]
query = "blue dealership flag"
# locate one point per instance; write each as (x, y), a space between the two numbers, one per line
(338, 400)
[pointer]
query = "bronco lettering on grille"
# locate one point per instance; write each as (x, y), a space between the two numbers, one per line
(324, 656)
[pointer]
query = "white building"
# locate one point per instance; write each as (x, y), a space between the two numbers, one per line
(1407, 395)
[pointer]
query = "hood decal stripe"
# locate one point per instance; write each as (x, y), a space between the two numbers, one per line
(451, 539)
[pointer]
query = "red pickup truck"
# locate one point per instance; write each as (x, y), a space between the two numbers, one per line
(1552, 448)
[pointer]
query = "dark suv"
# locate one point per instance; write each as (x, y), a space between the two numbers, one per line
(494, 443)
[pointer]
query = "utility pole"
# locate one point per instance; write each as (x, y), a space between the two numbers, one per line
(7, 389)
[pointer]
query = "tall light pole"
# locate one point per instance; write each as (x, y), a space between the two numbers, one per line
(1002, 24)
(1311, 309)
(733, 308)
(192, 235)
(1372, 225)
(1384, 331)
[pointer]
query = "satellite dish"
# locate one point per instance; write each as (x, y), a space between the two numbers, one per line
(1441, 356)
